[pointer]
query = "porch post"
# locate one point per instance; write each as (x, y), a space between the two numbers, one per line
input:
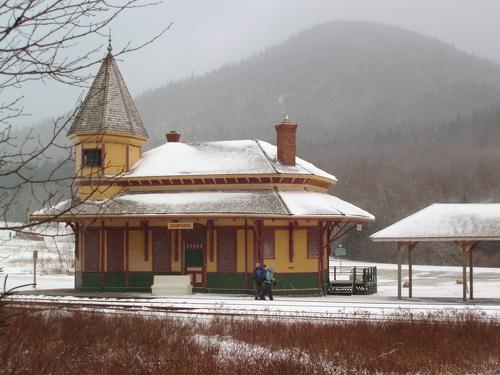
(103, 253)
(246, 254)
(464, 272)
(320, 257)
(127, 254)
(471, 278)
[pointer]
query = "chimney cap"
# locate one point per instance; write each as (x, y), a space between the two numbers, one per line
(173, 136)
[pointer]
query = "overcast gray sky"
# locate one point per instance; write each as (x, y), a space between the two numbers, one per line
(208, 34)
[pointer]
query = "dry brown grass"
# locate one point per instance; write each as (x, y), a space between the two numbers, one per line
(85, 342)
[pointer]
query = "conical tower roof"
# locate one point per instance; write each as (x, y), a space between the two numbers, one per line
(108, 107)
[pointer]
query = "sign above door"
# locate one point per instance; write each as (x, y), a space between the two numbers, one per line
(180, 225)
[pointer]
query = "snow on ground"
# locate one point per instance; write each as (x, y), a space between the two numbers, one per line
(55, 251)
(431, 281)
(438, 283)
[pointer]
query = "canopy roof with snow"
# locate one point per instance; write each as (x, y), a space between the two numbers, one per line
(446, 222)
(262, 202)
(218, 158)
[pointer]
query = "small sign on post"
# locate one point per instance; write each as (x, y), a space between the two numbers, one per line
(340, 251)
(35, 257)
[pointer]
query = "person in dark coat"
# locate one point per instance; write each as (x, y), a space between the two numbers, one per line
(260, 277)
(268, 283)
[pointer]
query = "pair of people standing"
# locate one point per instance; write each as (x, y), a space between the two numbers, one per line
(264, 278)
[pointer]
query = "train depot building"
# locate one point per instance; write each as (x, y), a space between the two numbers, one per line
(211, 210)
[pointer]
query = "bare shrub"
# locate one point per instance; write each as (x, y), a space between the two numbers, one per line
(88, 342)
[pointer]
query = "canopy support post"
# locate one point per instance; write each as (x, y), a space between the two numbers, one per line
(467, 247)
(398, 255)
(411, 246)
(410, 278)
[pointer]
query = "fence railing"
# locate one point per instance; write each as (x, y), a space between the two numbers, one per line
(356, 280)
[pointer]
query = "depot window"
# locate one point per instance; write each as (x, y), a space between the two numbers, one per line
(92, 158)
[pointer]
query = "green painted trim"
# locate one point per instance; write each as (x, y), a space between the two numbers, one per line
(226, 281)
(296, 281)
(114, 280)
(231, 283)
(287, 283)
(142, 280)
(91, 280)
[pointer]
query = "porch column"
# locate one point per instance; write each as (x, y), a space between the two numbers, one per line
(320, 257)
(464, 273)
(471, 280)
(246, 254)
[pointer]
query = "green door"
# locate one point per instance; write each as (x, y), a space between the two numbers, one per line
(194, 254)
(194, 258)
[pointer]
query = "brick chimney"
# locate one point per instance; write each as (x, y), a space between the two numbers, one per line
(173, 136)
(285, 134)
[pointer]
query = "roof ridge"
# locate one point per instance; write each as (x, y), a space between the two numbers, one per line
(266, 155)
(277, 192)
(106, 90)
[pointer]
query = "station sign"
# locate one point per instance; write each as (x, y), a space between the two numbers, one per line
(340, 251)
(180, 225)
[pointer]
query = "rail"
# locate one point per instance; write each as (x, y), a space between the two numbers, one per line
(353, 280)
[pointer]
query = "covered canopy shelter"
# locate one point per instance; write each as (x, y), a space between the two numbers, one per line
(463, 224)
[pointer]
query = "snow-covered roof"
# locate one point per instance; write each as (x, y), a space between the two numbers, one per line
(446, 222)
(218, 158)
(221, 202)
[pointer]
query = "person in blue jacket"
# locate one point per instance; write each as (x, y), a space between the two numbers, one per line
(260, 277)
(268, 282)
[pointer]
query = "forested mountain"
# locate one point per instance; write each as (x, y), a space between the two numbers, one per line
(338, 81)
(401, 119)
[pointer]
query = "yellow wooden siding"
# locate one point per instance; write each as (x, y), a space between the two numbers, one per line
(136, 252)
(98, 191)
(78, 260)
(240, 250)
(115, 158)
(78, 159)
(250, 255)
(134, 155)
(281, 261)
(300, 261)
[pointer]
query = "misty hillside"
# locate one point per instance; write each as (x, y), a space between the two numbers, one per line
(337, 80)
(401, 119)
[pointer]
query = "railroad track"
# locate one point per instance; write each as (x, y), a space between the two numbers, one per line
(245, 308)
